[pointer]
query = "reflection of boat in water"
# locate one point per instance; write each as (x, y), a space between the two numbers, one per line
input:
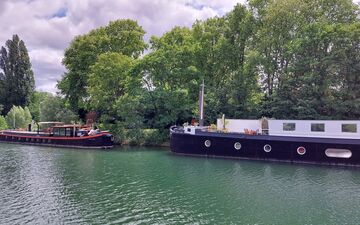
(304, 141)
(60, 135)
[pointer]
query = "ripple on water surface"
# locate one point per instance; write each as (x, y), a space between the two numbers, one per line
(146, 186)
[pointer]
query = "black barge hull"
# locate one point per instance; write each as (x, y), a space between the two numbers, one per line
(98, 141)
(329, 151)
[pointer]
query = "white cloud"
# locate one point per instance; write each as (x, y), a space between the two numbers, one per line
(47, 67)
(47, 27)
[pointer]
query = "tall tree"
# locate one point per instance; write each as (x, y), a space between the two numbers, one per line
(37, 98)
(224, 58)
(121, 36)
(170, 79)
(17, 78)
(304, 48)
(109, 81)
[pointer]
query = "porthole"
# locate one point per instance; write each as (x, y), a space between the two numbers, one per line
(301, 150)
(237, 146)
(207, 143)
(267, 148)
(338, 153)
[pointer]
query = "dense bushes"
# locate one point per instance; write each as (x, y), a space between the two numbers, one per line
(146, 137)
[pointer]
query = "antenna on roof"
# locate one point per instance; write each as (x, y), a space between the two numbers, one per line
(201, 104)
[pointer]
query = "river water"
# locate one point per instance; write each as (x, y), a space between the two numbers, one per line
(40, 185)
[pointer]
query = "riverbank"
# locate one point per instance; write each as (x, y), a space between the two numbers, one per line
(141, 137)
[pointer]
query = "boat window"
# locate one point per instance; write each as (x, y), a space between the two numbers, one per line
(317, 127)
(267, 148)
(338, 153)
(237, 146)
(349, 128)
(207, 143)
(56, 131)
(289, 126)
(69, 132)
(62, 132)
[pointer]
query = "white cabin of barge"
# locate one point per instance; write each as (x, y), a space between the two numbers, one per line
(298, 128)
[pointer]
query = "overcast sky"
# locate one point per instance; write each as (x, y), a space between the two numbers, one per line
(47, 26)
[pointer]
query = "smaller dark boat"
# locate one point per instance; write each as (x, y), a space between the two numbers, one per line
(60, 135)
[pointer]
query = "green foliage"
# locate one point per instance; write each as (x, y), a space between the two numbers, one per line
(307, 48)
(18, 117)
(226, 61)
(16, 76)
(35, 102)
(117, 130)
(109, 79)
(122, 36)
(52, 108)
(154, 137)
(135, 136)
(3, 124)
(170, 79)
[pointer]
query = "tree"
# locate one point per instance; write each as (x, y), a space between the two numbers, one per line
(109, 79)
(3, 124)
(2, 91)
(16, 76)
(121, 36)
(170, 79)
(18, 117)
(226, 61)
(35, 101)
(345, 69)
(53, 108)
(302, 46)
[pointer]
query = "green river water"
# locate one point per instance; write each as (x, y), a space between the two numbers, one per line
(40, 185)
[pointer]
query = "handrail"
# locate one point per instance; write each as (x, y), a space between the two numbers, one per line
(177, 129)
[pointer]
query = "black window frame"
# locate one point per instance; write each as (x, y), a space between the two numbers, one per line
(344, 125)
(289, 126)
(317, 127)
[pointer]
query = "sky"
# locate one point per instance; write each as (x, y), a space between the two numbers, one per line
(47, 27)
